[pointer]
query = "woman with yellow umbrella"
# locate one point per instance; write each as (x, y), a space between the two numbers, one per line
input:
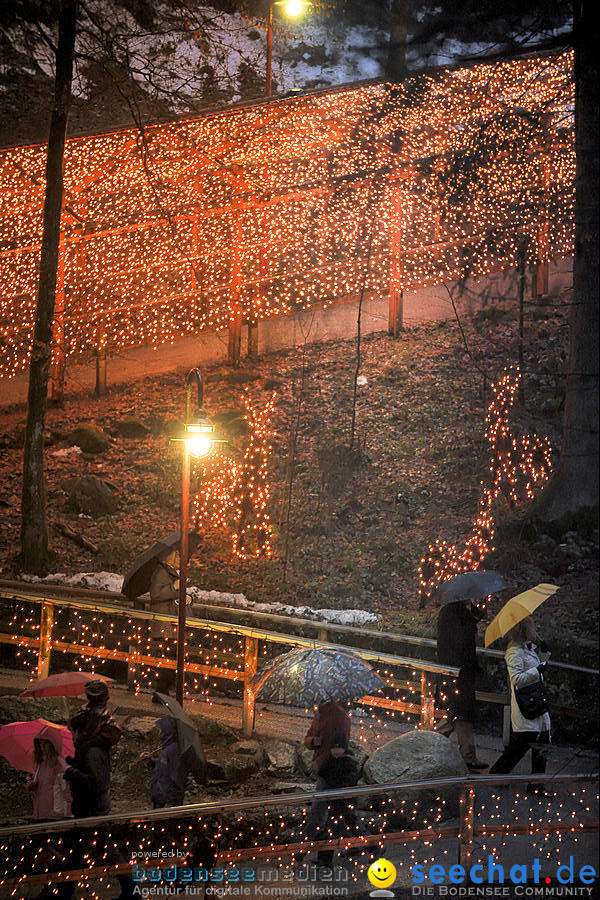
(525, 661)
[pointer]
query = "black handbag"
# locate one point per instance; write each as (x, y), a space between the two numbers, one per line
(533, 699)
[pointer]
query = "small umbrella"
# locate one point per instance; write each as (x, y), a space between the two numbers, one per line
(471, 586)
(516, 609)
(187, 737)
(16, 742)
(64, 684)
(308, 678)
(138, 577)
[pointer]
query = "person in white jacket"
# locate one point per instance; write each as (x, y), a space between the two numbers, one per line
(525, 665)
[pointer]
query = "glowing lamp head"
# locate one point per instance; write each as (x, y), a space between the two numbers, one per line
(294, 8)
(199, 438)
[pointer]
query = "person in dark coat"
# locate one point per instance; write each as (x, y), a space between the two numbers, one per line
(170, 772)
(329, 720)
(94, 733)
(342, 769)
(456, 646)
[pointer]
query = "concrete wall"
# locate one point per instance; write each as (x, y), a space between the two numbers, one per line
(333, 323)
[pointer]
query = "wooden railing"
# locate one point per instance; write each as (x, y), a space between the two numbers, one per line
(96, 603)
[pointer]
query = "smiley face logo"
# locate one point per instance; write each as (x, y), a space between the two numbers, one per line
(381, 873)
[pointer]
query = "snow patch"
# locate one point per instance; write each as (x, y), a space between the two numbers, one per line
(98, 581)
(110, 581)
(356, 617)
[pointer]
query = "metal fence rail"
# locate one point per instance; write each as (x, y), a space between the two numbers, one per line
(464, 831)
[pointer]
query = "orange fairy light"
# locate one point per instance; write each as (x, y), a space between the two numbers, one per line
(261, 211)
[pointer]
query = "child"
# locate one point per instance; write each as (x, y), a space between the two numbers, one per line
(51, 797)
(170, 772)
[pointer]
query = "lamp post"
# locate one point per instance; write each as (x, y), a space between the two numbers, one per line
(198, 440)
(293, 9)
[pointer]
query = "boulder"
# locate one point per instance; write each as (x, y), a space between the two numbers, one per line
(92, 496)
(417, 756)
(213, 733)
(244, 758)
(304, 758)
(281, 755)
(139, 726)
(129, 427)
(90, 438)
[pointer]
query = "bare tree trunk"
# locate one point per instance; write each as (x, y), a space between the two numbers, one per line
(572, 492)
(34, 527)
(396, 61)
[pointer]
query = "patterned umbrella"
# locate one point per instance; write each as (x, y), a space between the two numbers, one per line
(307, 678)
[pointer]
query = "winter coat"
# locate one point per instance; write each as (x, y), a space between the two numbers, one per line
(329, 721)
(89, 770)
(522, 662)
(52, 797)
(456, 646)
(170, 772)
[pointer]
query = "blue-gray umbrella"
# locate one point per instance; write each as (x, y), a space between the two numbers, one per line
(307, 678)
(471, 586)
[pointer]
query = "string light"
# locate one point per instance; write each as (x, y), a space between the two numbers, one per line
(259, 211)
(518, 464)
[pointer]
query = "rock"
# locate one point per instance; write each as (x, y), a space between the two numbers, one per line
(89, 494)
(212, 732)
(417, 756)
(291, 787)
(281, 755)
(90, 438)
(304, 758)
(139, 726)
(245, 757)
(129, 427)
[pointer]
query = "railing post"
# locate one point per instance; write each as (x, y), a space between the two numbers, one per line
(100, 389)
(250, 666)
(427, 704)
(252, 351)
(466, 817)
(46, 623)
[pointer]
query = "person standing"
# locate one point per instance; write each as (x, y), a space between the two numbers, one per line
(94, 733)
(330, 721)
(51, 794)
(457, 646)
(525, 662)
(169, 775)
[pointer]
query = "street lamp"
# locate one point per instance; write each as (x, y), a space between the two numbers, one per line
(198, 438)
(293, 9)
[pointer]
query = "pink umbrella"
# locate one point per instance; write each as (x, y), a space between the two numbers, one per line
(65, 684)
(16, 742)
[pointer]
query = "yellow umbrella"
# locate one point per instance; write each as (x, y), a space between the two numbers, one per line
(516, 609)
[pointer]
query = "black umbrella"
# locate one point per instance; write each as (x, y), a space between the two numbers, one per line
(138, 577)
(187, 737)
(308, 678)
(471, 586)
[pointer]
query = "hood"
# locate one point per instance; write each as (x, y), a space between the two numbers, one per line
(169, 729)
(53, 734)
